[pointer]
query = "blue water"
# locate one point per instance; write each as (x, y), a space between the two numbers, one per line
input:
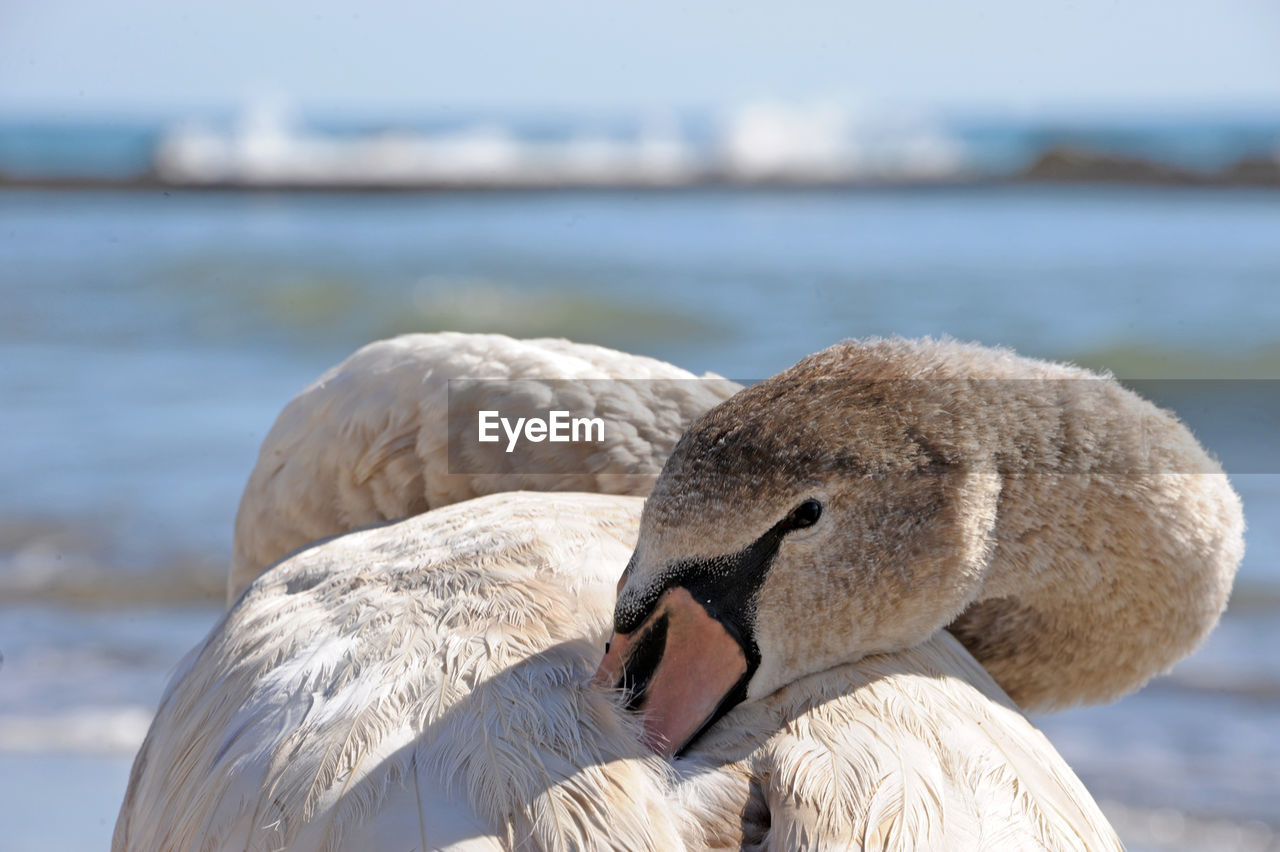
(148, 339)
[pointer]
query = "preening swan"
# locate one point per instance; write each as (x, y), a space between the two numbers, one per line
(368, 441)
(424, 684)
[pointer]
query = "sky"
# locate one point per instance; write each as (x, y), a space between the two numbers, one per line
(399, 56)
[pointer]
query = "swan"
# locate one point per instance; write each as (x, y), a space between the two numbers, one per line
(368, 441)
(426, 685)
(877, 747)
(1076, 538)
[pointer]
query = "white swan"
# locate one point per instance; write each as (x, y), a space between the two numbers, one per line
(770, 762)
(424, 685)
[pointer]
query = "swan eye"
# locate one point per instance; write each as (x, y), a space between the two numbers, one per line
(806, 514)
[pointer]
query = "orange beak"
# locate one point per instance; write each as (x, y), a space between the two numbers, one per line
(679, 665)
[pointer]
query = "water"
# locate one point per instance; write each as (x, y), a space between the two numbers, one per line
(147, 341)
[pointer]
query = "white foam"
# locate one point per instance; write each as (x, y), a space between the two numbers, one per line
(825, 140)
(830, 140)
(82, 730)
(266, 147)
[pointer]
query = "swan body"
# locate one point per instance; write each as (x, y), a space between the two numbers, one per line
(425, 685)
(368, 441)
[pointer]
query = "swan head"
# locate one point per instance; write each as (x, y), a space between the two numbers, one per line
(808, 521)
(1074, 537)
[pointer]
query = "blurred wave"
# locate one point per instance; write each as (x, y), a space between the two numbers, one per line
(84, 730)
(83, 562)
(797, 142)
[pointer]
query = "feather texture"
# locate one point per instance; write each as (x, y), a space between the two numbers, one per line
(425, 685)
(368, 441)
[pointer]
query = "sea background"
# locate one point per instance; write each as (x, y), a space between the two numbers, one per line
(148, 338)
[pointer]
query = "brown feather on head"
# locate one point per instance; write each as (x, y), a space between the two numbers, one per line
(1075, 537)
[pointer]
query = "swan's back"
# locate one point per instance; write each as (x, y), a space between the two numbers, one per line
(428, 658)
(368, 441)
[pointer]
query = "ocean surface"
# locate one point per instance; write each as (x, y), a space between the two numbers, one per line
(148, 339)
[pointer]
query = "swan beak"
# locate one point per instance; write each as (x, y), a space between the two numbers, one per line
(677, 668)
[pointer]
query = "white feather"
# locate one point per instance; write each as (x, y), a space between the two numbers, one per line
(381, 689)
